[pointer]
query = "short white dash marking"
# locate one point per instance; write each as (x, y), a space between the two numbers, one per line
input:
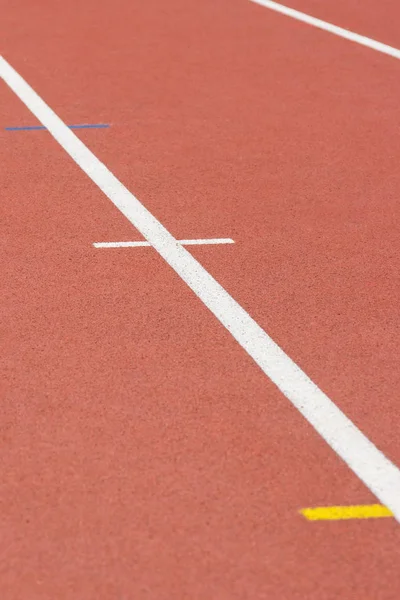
(199, 242)
(377, 472)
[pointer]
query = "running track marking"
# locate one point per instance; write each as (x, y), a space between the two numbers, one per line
(199, 242)
(377, 472)
(340, 513)
(40, 127)
(344, 33)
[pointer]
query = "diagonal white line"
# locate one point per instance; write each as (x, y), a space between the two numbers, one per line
(377, 472)
(198, 242)
(339, 31)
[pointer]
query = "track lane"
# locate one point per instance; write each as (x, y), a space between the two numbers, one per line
(251, 571)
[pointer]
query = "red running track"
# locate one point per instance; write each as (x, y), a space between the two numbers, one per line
(144, 455)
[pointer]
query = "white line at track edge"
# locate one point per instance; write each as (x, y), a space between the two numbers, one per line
(320, 24)
(377, 472)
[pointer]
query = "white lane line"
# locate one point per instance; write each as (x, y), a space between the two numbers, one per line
(199, 242)
(344, 33)
(377, 472)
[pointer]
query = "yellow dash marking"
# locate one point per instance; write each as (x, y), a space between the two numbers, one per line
(335, 513)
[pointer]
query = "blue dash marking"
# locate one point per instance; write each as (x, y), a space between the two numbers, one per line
(36, 127)
(23, 128)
